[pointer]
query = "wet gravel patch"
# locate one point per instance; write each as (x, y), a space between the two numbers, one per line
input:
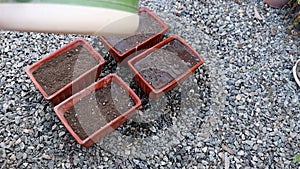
(241, 109)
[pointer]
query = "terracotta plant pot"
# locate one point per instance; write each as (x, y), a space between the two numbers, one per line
(159, 69)
(99, 109)
(151, 31)
(276, 3)
(66, 71)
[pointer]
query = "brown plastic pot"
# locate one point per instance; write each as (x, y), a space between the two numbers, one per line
(63, 108)
(158, 70)
(276, 3)
(83, 80)
(123, 47)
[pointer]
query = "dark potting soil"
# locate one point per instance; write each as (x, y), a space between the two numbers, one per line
(148, 27)
(157, 78)
(96, 110)
(131, 42)
(166, 64)
(64, 68)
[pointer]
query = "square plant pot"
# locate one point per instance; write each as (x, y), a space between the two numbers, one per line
(94, 112)
(161, 68)
(66, 71)
(151, 30)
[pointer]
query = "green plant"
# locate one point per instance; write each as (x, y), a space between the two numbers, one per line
(296, 158)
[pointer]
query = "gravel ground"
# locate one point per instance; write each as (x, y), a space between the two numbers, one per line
(241, 109)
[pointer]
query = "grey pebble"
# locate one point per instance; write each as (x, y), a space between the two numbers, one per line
(60, 134)
(50, 164)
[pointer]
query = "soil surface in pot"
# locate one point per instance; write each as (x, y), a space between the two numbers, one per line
(64, 68)
(97, 109)
(148, 27)
(166, 64)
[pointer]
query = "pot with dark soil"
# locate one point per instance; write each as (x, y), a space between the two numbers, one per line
(99, 109)
(66, 71)
(151, 30)
(159, 69)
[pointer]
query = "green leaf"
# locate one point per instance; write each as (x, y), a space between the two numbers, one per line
(296, 158)
(125, 5)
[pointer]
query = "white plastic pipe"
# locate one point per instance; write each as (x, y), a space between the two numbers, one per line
(60, 18)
